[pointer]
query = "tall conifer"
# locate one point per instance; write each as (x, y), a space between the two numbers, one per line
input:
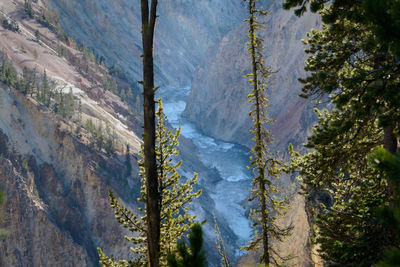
(263, 162)
(354, 62)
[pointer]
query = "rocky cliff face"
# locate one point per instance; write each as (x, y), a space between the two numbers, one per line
(218, 100)
(296, 245)
(55, 184)
(30, 235)
(186, 29)
(57, 210)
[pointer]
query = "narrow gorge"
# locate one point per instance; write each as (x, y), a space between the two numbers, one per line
(55, 182)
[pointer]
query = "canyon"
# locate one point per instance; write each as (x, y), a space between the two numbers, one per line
(56, 184)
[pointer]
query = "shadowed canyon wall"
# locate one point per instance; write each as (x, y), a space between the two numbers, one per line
(185, 30)
(218, 100)
(59, 199)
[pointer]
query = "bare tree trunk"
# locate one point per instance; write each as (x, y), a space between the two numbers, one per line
(390, 144)
(389, 139)
(149, 137)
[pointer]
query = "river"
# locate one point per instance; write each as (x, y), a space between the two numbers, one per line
(229, 159)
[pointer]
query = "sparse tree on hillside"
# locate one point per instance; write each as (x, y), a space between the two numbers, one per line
(106, 83)
(28, 9)
(8, 74)
(114, 86)
(110, 141)
(99, 136)
(27, 81)
(69, 104)
(263, 162)
(138, 104)
(128, 163)
(80, 110)
(45, 93)
(58, 105)
(3, 232)
(37, 35)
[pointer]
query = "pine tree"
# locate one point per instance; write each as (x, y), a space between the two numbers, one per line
(114, 86)
(389, 216)
(106, 83)
(263, 162)
(192, 256)
(99, 136)
(110, 141)
(59, 105)
(26, 81)
(80, 110)
(175, 196)
(8, 74)
(45, 90)
(355, 63)
(3, 232)
(33, 74)
(129, 94)
(128, 163)
(28, 9)
(138, 104)
(69, 105)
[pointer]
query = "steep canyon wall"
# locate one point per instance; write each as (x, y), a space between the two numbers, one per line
(218, 101)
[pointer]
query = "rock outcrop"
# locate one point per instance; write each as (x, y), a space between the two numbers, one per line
(30, 236)
(57, 203)
(185, 30)
(56, 209)
(218, 101)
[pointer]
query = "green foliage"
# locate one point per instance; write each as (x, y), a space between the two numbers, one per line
(64, 104)
(128, 163)
(192, 256)
(101, 138)
(90, 127)
(106, 84)
(354, 61)
(315, 5)
(263, 162)
(114, 87)
(389, 216)
(175, 196)
(8, 74)
(220, 245)
(37, 35)
(110, 141)
(138, 105)
(1, 198)
(28, 9)
(10, 25)
(3, 232)
(45, 91)
(28, 81)
(50, 20)
(384, 16)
